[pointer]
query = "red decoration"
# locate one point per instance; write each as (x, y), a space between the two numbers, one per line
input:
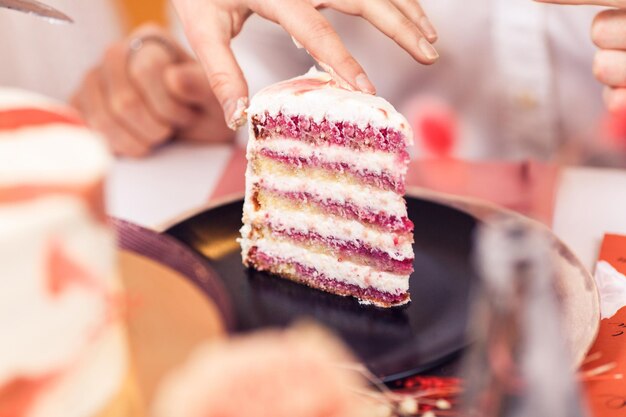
(64, 272)
(28, 117)
(18, 396)
(436, 125)
(438, 134)
(615, 128)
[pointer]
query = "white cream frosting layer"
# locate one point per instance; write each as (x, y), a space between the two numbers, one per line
(332, 227)
(52, 154)
(97, 378)
(315, 94)
(371, 198)
(612, 288)
(46, 333)
(12, 98)
(348, 272)
(371, 161)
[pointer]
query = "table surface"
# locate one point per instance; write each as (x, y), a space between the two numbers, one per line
(589, 202)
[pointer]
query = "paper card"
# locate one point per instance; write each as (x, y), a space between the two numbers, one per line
(607, 392)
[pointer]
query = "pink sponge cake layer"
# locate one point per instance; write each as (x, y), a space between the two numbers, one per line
(329, 133)
(346, 209)
(306, 275)
(382, 180)
(350, 249)
(324, 184)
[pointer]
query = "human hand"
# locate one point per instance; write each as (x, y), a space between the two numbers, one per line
(211, 24)
(141, 96)
(609, 34)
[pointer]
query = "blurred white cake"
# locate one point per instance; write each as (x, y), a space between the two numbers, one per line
(63, 350)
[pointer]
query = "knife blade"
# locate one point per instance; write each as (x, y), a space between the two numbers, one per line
(36, 8)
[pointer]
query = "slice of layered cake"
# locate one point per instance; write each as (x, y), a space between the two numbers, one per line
(64, 348)
(324, 199)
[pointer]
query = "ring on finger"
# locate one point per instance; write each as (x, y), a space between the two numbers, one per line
(136, 44)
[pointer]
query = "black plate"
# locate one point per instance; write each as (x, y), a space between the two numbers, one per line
(393, 343)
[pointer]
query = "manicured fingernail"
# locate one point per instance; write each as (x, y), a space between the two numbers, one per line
(428, 29)
(428, 50)
(364, 84)
(235, 111)
(229, 109)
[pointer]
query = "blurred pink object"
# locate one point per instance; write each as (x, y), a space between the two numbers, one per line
(233, 180)
(274, 373)
(528, 187)
(615, 129)
(435, 125)
(609, 148)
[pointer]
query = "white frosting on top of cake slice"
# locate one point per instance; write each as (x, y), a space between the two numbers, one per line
(317, 95)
